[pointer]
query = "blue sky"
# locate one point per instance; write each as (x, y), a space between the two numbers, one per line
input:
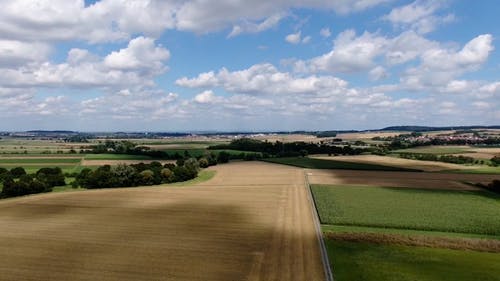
(150, 65)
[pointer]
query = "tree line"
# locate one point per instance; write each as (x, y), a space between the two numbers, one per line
(290, 149)
(16, 182)
(460, 159)
(141, 174)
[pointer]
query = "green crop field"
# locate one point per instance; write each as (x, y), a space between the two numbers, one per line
(108, 156)
(312, 163)
(371, 262)
(20, 161)
(405, 208)
(42, 155)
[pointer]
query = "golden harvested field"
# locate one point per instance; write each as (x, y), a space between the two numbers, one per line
(398, 179)
(366, 135)
(429, 166)
(288, 138)
(252, 221)
(483, 152)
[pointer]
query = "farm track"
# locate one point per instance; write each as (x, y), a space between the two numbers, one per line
(252, 221)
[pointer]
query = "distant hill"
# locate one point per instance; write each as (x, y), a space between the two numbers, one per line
(51, 132)
(427, 129)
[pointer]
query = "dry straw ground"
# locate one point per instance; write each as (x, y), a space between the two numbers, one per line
(252, 221)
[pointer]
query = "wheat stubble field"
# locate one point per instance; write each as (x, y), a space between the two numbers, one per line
(252, 221)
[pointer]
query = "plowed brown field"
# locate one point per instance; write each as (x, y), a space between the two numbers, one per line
(252, 221)
(399, 179)
(428, 166)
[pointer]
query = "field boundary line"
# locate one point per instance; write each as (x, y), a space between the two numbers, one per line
(319, 234)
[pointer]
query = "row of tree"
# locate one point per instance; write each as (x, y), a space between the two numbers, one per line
(460, 159)
(17, 182)
(290, 149)
(138, 174)
(495, 161)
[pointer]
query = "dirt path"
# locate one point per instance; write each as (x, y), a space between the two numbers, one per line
(252, 221)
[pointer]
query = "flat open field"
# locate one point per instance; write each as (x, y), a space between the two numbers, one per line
(367, 135)
(252, 221)
(476, 212)
(428, 166)
(399, 179)
(470, 151)
(288, 138)
(483, 152)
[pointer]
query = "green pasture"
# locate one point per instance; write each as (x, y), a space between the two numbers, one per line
(373, 262)
(21, 161)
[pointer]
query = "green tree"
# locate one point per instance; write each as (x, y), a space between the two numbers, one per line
(147, 177)
(17, 172)
(167, 175)
(203, 162)
(223, 157)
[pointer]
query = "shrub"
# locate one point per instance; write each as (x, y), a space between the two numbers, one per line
(495, 160)
(494, 186)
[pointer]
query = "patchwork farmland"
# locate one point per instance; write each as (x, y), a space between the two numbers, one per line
(428, 226)
(252, 220)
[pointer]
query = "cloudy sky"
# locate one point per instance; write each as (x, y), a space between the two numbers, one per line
(173, 65)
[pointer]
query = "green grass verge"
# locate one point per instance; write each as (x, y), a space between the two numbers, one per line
(312, 163)
(404, 208)
(326, 228)
(373, 262)
(203, 175)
